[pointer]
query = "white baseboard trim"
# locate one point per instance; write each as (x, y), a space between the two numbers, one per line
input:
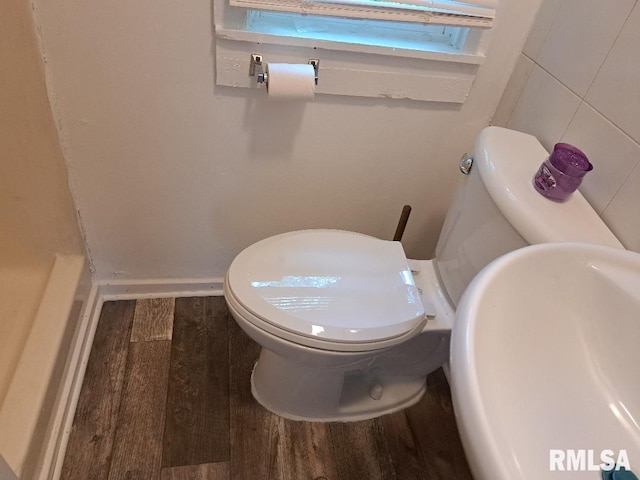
(102, 291)
(159, 288)
(62, 417)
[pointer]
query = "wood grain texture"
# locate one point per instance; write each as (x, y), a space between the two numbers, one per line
(432, 423)
(207, 471)
(94, 425)
(303, 451)
(401, 446)
(186, 412)
(153, 319)
(360, 451)
(137, 448)
(197, 425)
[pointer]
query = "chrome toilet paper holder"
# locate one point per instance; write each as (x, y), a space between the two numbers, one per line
(256, 68)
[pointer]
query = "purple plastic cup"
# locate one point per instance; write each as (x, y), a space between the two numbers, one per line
(561, 173)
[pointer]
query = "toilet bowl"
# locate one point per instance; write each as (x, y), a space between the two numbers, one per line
(350, 328)
(341, 319)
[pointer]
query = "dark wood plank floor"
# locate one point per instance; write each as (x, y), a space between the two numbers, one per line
(166, 396)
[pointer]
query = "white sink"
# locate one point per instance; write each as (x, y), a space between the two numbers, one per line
(545, 363)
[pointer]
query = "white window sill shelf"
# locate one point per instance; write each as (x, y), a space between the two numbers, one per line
(441, 74)
(437, 51)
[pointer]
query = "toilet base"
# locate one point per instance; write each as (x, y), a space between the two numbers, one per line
(300, 392)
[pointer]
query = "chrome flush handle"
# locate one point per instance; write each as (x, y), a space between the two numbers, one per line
(466, 162)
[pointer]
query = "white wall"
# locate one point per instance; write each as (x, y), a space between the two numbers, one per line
(174, 176)
(578, 81)
(37, 215)
(37, 218)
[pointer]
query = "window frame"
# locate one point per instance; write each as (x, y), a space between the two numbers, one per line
(439, 75)
(416, 11)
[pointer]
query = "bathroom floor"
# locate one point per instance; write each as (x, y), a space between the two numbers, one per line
(166, 396)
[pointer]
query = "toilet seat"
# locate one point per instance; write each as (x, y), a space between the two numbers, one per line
(330, 289)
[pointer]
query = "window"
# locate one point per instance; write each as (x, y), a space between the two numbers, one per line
(441, 43)
(375, 33)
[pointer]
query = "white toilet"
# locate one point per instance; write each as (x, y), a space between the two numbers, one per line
(350, 328)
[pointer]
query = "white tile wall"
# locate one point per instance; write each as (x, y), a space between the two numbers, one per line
(580, 38)
(544, 108)
(513, 90)
(616, 89)
(622, 213)
(612, 153)
(580, 83)
(540, 30)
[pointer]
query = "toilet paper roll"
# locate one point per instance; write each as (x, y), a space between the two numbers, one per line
(290, 81)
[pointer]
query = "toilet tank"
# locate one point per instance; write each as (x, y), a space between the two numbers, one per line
(497, 210)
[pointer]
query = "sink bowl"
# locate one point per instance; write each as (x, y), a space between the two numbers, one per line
(545, 364)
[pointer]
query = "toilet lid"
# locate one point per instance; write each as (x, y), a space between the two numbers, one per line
(328, 285)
